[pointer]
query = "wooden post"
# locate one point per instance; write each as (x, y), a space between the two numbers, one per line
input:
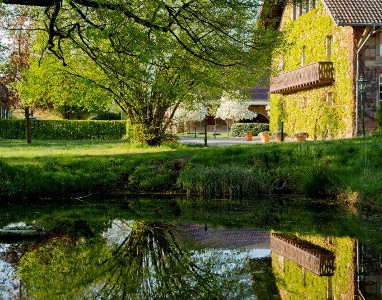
(28, 125)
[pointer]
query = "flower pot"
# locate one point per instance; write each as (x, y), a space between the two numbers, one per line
(264, 137)
(248, 136)
(277, 136)
(301, 137)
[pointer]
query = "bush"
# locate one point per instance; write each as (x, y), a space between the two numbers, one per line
(63, 129)
(107, 116)
(239, 129)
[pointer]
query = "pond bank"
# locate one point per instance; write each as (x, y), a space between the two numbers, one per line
(348, 170)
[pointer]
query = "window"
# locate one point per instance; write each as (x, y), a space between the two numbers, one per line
(328, 47)
(380, 45)
(380, 90)
(304, 7)
(312, 4)
(301, 7)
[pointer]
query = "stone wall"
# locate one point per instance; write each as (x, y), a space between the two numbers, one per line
(370, 67)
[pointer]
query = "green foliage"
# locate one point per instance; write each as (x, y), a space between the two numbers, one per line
(107, 116)
(152, 177)
(47, 83)
(230, 181)
(63, 129)
(239, 129)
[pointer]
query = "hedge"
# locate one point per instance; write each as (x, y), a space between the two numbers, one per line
(63, 129)
(239, 129)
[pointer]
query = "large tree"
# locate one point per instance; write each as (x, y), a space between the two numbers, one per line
(156, 54)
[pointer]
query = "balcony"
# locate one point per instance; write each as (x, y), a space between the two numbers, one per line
(314, 258)
(311, 76)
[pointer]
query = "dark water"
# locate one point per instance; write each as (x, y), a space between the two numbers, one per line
(190, 249)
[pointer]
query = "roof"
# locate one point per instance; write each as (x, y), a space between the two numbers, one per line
(343, 12)
(355, 12)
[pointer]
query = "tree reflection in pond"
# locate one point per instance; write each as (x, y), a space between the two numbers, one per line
(148, 264)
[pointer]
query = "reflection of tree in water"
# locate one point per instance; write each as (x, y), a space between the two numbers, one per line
(10, 255)
(150, 264)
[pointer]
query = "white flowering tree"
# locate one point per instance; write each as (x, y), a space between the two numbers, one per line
(233, 109)
(195, 112)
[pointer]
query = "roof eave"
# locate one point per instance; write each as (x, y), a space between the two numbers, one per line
(358, 24)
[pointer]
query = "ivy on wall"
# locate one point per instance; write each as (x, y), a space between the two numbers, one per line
(294, 283)
(325, 111)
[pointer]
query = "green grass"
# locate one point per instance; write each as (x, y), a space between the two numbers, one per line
(349, 169)
(39, 148)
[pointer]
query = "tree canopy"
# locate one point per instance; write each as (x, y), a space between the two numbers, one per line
(157, 54)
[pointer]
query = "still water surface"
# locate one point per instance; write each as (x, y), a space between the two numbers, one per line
(190, 249)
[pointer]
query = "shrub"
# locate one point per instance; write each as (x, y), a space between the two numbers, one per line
(107, 116)
(239, 129)
(63, 129)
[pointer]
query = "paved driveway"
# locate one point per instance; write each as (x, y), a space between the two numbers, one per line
(219, 141)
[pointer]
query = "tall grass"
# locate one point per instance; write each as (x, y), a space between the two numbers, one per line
(225, 181)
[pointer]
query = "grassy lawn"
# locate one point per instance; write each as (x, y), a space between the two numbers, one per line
(349, 169)
(16, 149)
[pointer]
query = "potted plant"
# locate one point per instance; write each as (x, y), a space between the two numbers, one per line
(301, 136)
(264, 135)
(248, 136)
(277, 136)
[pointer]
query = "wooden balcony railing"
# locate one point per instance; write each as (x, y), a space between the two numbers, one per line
(314, 258)
(313, 75)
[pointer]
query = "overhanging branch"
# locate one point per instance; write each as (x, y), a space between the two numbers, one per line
(43, 3)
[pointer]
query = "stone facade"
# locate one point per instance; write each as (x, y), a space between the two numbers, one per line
(370, 67)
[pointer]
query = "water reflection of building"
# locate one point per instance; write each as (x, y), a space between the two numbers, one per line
(313, 267)
(369, 270)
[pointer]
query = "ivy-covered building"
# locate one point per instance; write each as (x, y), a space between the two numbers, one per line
(328, 45)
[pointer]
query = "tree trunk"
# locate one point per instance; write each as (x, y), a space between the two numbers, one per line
(28, 125)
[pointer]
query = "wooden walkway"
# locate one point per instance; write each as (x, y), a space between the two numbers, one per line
(314, 258)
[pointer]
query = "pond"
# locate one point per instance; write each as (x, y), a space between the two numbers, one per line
(189, 249)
